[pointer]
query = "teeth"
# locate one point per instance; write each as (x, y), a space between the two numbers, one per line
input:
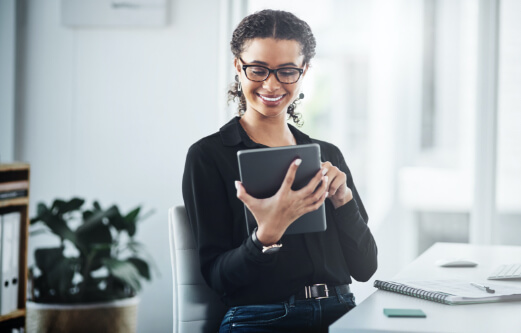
(271, 99)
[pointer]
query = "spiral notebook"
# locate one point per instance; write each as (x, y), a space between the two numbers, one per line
(452, 292)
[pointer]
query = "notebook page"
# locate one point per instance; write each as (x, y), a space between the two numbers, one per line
(463, 288)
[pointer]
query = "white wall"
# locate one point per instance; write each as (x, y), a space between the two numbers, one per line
(109, 114)
(7, 78)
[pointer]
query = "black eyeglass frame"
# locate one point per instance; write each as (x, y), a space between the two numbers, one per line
(275, 71)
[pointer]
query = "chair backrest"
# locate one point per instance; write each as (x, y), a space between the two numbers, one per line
(197, 308)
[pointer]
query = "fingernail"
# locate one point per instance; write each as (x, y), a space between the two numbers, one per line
(236, 184)
(298, 161)
(324, 171)
(326, 178)
(327, 194)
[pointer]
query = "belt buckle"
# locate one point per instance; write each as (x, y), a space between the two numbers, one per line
(309, 294)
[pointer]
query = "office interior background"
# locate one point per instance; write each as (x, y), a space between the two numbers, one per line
(421, 96)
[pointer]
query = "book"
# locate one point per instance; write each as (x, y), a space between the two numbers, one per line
(16, 220)
(7, 245)
(1, 261)
(15, 185)
(10, 246)
(452, 292)
(13, 194)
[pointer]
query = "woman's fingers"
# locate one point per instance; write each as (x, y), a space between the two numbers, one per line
(279, 211)
(243, 195)
(339, 193)
(290, 175)
(300, 200)
(337, 179)
(338, 182)
(314, 205)
(313, 185)
(321, 189)
(313, 192)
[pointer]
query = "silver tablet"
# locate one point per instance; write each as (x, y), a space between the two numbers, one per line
(263, 170)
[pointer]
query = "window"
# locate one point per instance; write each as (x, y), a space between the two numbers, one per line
(395, 86)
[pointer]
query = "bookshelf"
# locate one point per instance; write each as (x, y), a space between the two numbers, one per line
(13, 174)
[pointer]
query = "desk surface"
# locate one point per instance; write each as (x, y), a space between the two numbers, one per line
(492, 317)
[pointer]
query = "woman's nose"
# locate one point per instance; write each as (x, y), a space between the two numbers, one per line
(271, 83)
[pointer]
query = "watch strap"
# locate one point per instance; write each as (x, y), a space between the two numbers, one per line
(265, 249)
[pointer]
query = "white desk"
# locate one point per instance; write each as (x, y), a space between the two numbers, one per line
(493, 317)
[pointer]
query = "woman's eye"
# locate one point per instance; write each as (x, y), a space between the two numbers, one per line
(289, 72)
(258, 71)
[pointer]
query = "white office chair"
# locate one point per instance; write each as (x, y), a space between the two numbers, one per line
(197, 308)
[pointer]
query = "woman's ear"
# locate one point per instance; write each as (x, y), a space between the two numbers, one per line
(306, 67)
(237, 65)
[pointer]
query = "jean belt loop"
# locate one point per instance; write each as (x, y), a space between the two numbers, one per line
(292, 301)
(338, 295)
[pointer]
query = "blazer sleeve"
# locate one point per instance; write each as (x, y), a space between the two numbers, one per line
(357, 241)
(224, 265)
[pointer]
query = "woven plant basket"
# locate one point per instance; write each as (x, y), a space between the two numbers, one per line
(114, 317)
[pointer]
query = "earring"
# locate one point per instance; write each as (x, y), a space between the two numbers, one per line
(301, 96)
(239, 86)
(239, 89)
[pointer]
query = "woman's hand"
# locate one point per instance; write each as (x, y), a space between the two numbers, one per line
(339, 193)
(275, 214)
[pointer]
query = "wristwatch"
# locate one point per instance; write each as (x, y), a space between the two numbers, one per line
(270, 249)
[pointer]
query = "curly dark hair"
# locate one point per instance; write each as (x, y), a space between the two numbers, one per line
(276, 24)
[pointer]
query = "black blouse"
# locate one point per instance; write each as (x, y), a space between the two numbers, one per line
(230, 262)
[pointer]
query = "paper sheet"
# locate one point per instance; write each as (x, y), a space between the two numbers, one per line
(464, 288)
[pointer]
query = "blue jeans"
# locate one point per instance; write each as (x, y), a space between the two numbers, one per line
(313, 315)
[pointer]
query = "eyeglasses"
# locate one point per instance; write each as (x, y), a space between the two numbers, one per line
(286, 75)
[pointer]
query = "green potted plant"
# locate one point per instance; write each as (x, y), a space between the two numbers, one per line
(97, 265)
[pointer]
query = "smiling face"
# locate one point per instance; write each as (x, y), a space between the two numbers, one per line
(270, 98)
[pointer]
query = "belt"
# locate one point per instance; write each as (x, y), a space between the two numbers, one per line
(322, 290)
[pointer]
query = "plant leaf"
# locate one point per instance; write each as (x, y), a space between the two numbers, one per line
(57, 206)
(94, 241)
(142, 267)
(93, 233)
(100, 245)
(131, 220)
(58, 226)
(135, 246)
(124, 271)
(87, 214)
(60, 276)
(138, 248)
(57, 272)
(100, 215)
(96, 205)
(74, 204)
(53, 218)
(117, 221)
(132, 215)
(36, 232)
(47, 258)
(61, 207)
(41, 211)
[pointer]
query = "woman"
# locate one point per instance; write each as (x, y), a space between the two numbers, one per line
(269, 287)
